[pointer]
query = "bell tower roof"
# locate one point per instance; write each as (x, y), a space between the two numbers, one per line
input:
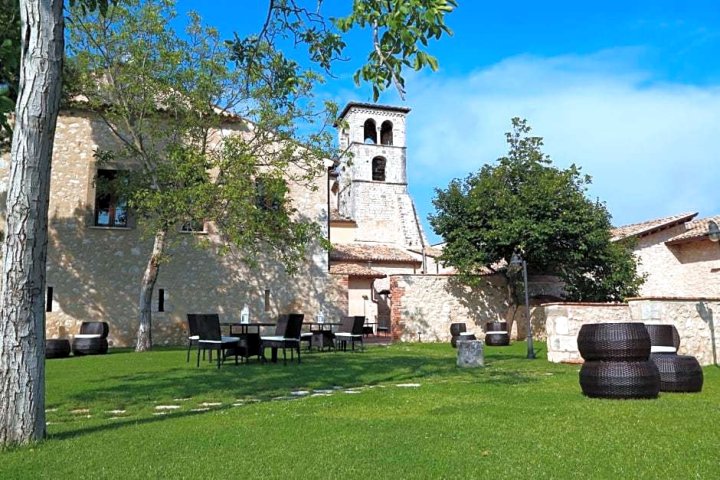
(371, 106)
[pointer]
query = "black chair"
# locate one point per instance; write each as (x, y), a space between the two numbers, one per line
(350, 330)
(383, 326)
(193, 337)
(287, 335)
(92, 339)
(210, 338)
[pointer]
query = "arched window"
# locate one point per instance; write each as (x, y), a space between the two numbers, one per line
(378, 169)
(386, 134)
(370, 131)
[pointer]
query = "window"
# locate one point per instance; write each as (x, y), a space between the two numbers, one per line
(193, 226)
(49, 299)
(369, 131)
(110, 206)
(270, 193)
(161, 299)
(378, 169)
(386, 133)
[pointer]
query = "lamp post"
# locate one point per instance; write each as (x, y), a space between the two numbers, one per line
(517, 261)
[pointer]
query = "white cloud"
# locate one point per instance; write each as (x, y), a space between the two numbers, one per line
(652, 148)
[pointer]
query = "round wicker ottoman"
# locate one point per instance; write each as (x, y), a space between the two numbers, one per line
(678, 373)
(57, 348)
(89, 346)
(636, 379)
(455, 330)
(614, 341)
(496, 334)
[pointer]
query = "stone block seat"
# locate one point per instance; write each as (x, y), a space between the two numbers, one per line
(57, 348)
(92, 339)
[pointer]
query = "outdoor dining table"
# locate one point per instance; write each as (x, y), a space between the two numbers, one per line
(322, 334)
(250, 340)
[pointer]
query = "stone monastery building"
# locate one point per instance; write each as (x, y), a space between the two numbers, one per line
(96, 255)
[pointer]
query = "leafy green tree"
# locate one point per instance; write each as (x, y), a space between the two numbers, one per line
(24, 251)
(524, 204)
(9, 65)
(164, 97)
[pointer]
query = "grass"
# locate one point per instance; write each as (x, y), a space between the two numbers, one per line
(514, 418)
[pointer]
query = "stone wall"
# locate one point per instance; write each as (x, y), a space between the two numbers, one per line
(95, 272)
(422, 307)
(694, 319)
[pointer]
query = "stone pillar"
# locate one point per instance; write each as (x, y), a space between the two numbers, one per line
(470, 354)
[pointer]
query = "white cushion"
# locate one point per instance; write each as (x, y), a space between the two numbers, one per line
(88, 335)
(274, 338)
(466, 334)
(662, 349)
(306, 335)
(194, 337)
(497, 332)
(348, 335)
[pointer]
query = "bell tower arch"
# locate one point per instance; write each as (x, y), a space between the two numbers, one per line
(372, 174)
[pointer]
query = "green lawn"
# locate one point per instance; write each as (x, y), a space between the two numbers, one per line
(404, 411)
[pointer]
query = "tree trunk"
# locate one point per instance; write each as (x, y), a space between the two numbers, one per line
(22, 306)
(144, 336)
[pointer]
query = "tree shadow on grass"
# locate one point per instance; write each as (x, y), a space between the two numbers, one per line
(264, 382)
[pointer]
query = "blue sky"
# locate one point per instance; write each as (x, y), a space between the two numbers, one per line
(629, 91)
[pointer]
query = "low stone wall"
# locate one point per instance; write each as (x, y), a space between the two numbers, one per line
(422, 307)
(563, 322)
(693, 318)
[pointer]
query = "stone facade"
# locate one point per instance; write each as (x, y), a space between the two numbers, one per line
(682, 270)
(422, 307)
(694, 319)
(95, 272)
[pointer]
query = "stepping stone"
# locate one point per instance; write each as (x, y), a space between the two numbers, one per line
(200, 410)
(167, 407)
(210, 404)
(116, 412)
(408, 385)
(299, 393)
(80, 410)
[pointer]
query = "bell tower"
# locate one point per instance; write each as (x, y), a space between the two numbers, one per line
(372, 175)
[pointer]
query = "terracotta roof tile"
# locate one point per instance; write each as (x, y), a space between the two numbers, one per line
(694, 230)
(355, 270)
(650, 226)
(370, 253)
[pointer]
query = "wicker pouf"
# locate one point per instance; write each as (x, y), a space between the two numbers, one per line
(57, 348)
(636, 379)
(614, 341)
(496, 334)
(678, 373)
(455, 330)
(89, 346)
